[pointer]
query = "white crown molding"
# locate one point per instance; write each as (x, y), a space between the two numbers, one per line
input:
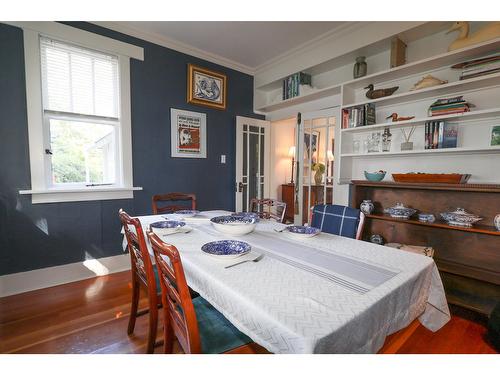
(337, 42)
(176, 45)
(310, 44)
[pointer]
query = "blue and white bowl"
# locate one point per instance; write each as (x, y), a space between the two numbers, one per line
(226, 249)
(301, 231)
(184, 214)
(246, 215)
(234, 225)
(162, 228)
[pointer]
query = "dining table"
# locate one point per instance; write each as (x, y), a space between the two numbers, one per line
(323, 294)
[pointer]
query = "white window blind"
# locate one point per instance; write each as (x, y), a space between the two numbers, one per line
(79, 80)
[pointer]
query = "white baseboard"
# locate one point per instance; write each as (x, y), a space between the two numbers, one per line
(46, 277)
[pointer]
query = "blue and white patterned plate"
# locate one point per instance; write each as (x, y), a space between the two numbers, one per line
(301, 231)
(166, 227)
(226, 248)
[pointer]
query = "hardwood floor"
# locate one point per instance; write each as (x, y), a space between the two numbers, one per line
(91, 316)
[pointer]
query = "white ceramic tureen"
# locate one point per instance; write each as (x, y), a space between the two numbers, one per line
(400, 211)
(460, 218)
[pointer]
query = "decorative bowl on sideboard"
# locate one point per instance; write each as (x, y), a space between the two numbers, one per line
(440, 178)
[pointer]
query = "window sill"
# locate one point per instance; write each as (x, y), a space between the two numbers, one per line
(81, 194)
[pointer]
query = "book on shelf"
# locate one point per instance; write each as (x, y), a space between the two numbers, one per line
(440, 134)
(292, 83)
(359, 116)
(449, 106)
(479, 67)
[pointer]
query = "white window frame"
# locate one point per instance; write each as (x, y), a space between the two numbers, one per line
(40, 191)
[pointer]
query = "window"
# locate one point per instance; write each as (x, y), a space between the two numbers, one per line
(80, 115)
(79, 123)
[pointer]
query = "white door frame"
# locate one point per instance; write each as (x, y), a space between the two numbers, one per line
(240, 121)
(299, 146)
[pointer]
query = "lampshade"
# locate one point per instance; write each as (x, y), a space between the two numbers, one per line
(329, 155)
(291, 151)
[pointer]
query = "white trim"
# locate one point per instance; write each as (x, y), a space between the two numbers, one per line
(46, 277)
(39, 183)
(175, 45)
(84, 38)
(77, 195)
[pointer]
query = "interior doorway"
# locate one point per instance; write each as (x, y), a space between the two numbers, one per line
(315, 144)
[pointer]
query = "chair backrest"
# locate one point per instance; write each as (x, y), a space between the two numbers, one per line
(140, 259)
(172, 197)
(268, 208)
(175, 296)
(340, 220)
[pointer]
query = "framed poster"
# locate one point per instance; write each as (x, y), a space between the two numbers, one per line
(311, 139)
(206, 87)
(188, 134)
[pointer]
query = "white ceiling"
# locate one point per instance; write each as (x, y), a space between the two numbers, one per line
(248, 44)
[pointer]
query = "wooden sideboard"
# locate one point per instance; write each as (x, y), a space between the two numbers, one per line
(467, 258)
(317, 194)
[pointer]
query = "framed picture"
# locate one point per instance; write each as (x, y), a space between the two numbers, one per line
(188, 132)
(206, 87)
(311, 142)
(495, 135)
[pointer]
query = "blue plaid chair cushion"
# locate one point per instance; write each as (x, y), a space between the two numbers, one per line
(334, 219)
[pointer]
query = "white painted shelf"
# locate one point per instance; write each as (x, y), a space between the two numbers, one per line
(490, 80)
(310, 96)
(424, 65)
(400, 72)
(457, 150)
(467, 116)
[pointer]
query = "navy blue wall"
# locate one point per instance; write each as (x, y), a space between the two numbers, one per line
(43, 235)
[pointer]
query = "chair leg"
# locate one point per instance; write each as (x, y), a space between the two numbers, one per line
(136, 290)
(153, 324)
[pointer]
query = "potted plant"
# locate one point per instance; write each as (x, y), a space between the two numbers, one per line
(319, 168)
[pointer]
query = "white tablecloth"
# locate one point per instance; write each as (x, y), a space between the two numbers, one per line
(290, 308)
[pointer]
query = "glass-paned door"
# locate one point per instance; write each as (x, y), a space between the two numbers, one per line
(252, 155)
(316, 148)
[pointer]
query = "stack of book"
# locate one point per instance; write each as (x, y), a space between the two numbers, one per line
(291, 84)
(480, 67)
(358, 116)
(449, 106)
(440, 134)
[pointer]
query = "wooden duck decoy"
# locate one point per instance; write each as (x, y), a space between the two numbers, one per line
(395, 117)
(488, 32)
(379, 93)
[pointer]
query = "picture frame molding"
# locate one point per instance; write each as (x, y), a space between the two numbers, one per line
(174, 126)
(190, 89)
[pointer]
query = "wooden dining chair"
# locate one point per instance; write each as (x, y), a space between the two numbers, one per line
(144, 276)
(268, 208)
(340, 220)
(172, 197)
(197, 325)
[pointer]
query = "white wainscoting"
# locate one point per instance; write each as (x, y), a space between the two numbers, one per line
(46, 277)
